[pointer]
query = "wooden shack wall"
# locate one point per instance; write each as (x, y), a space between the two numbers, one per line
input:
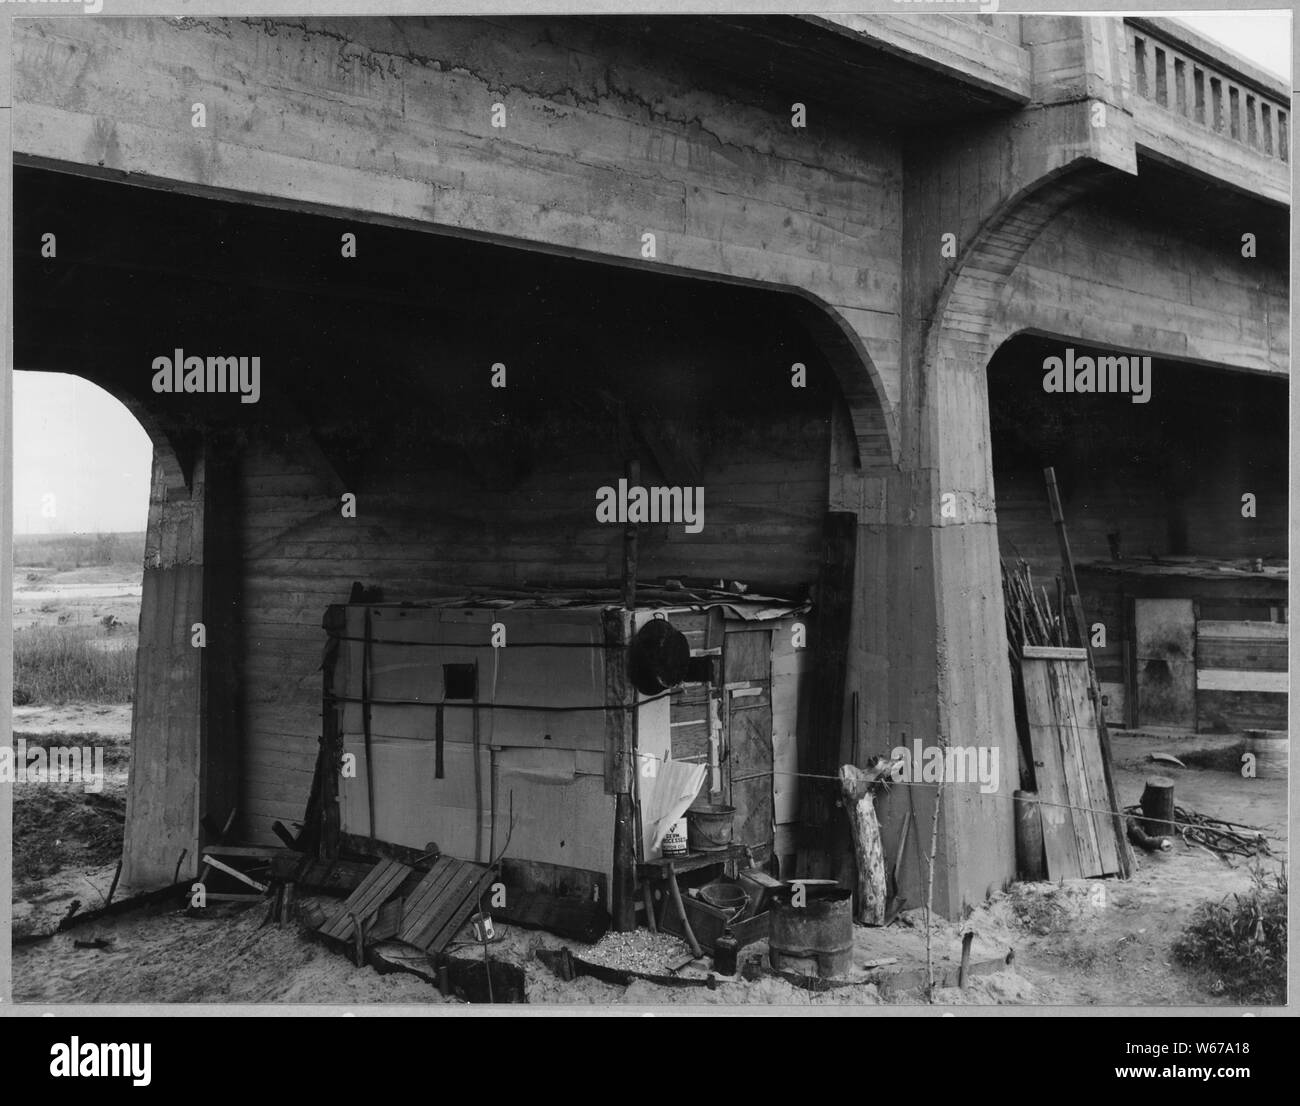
(421, 534)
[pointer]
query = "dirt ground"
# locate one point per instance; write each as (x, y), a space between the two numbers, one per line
(77, 596)
(1080, 942)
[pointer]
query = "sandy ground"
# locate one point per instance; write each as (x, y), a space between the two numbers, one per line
(1076, 943)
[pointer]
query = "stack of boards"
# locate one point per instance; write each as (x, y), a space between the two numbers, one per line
(396, 902)
(1080, 839)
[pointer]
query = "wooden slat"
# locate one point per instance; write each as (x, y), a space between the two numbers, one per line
(420, 931)
(1233, 711)
(1070, 712)
(427, 891)
(1069, 769)
(1264, 631)
(1222, 679)
(1053, 652)
(1059, 842)
(444, 904)
(1241, 653)
(376, 889)
(235, 873)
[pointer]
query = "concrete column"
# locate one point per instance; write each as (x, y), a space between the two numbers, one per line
(184, 727)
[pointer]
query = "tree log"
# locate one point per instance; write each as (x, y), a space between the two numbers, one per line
(1158, 806)
(859, 802)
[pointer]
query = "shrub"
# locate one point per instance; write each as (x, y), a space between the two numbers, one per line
(1241, 941)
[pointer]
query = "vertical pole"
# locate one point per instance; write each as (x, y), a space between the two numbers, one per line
(365, 724)
(620, 700)
(633, 469)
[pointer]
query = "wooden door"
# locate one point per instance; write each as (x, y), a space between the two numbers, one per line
(1166, 662)
(747, 666)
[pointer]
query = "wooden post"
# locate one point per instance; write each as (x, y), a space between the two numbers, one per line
(819, 746)
(630, 543)
(1094, 690)
(623, 893)
(365, 729)
(620, 751)
(1158, 806)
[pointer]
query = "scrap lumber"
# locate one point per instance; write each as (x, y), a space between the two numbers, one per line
(1072, 794)
(1223, 838)
(340, 877)
(221, 866)
(569, 902)
(351, 918)
(442, 902)
(1084, 639)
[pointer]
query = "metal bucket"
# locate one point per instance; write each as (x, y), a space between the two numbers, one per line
(730, 898)
(813, 939)
(708, 828)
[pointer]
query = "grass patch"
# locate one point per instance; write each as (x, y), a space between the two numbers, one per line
(60, 664)
(1240, 942)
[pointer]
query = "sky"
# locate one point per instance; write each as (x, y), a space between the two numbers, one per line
(1262, 37)
(76, 443)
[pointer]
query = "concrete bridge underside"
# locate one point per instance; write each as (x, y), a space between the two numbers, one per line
(1059, 225)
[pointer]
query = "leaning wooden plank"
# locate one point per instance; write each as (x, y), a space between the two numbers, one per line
(387, 922)
(234, 873)
(1059, 843)
(457, 917)
(269, 852)
(420, 929)
(365, 902)
(1053, 653)
(1067, 679)
(1096, 798)
(421, 901)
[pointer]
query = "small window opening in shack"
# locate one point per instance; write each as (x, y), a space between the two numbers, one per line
(459, 681)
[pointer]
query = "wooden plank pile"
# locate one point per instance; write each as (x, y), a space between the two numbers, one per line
(1074, 800)
(397, 901)
(1068, 774)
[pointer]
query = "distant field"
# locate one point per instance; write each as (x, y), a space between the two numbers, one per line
(72, 664)
(76, 604)
(61, 552)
